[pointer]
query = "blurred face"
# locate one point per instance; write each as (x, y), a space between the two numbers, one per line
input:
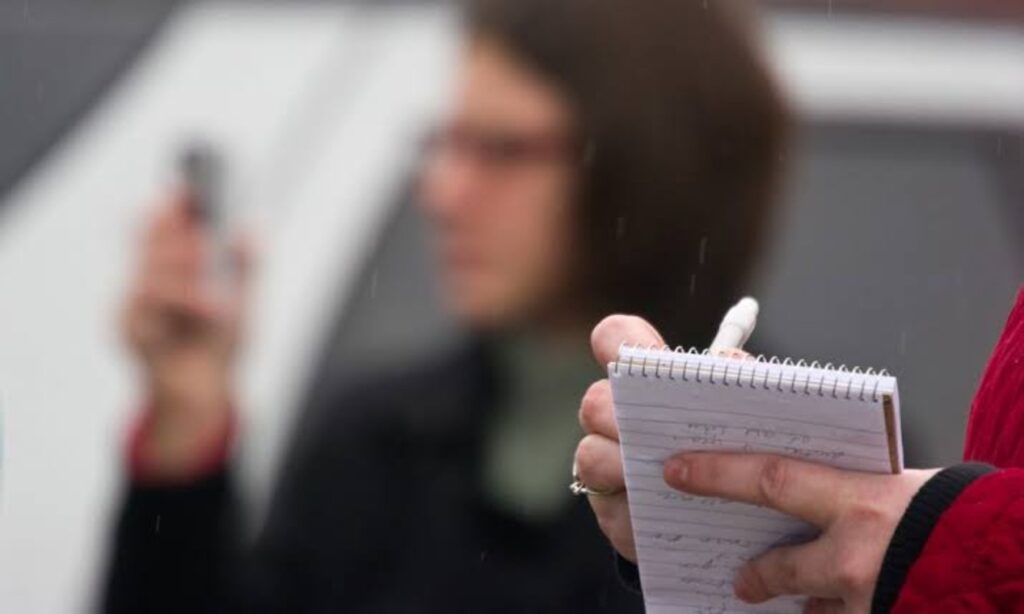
(498, 186)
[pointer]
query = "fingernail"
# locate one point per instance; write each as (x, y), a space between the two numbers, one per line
(741, 587)
(741, 590)
(677, 470)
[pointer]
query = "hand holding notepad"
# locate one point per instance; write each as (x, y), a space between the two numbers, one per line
(690, 547)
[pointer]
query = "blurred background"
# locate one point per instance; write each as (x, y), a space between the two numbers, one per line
(901, 245)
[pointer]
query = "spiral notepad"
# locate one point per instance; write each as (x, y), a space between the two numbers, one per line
(690, 548)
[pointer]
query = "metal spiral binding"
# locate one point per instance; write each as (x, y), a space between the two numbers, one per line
(837, 382)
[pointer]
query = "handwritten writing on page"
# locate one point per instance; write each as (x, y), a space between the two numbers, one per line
(689, 547)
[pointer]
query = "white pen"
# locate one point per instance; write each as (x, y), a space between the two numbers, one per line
(737, 326)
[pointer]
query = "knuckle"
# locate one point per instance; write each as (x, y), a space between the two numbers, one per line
(604, 330)
(594, 405)
(773, 481)
(790, 577)
(586, 454)
(853, 572)
(613, 328)
(866, 514)
(609, 325)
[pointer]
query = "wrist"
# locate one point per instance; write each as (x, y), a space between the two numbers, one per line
(167, 446)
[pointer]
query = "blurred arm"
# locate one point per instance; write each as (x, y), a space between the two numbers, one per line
(174, 547)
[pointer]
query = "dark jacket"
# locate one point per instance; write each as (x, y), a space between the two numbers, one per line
(379, 509)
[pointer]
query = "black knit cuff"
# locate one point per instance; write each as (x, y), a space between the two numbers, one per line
(916, 526)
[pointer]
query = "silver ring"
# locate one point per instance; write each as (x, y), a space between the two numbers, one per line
(578, 488)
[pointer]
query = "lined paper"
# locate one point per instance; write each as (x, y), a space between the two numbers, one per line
(689, 547)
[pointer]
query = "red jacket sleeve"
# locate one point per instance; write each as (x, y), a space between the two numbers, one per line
(973, 561)
(995, 430)
(960, 544)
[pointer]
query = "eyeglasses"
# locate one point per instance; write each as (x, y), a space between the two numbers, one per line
(500, 149)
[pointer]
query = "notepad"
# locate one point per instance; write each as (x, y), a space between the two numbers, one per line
(689, 548)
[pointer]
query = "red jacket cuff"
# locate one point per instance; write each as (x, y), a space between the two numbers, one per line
(974, 555)
(211, 457)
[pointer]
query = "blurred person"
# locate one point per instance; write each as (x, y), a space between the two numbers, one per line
(949, 540)
(599, 156)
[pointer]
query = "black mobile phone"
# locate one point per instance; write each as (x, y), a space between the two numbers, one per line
(201, 170)
(203, 173)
